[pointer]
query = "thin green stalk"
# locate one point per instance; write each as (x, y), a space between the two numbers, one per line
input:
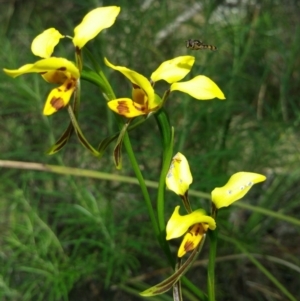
(167, 146)
(111, 95)
(213, 238)
(142, 184)
(166, 135)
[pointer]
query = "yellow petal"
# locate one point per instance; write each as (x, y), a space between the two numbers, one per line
(43, 45)
(179, 224)
(94, 22)
(192, 239)
(59, 97)
(200, 87)
(135, 78)
(237, 186)
(126, 107)
(45, 65)
(179, 176)
(173, 70)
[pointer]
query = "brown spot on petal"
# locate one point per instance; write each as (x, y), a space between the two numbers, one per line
(142, 108)
(122, 108)
(197, 230)
(57, 103)
(69, 86)
(62, 69)
(189, 246)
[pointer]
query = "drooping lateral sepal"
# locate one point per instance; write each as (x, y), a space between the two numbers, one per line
(167, 284)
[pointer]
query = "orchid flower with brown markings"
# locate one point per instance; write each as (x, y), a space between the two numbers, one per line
(193, 226)
(196, 223)
(59, 70)
(144, 99)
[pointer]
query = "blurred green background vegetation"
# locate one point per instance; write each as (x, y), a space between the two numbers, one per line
(74, 238)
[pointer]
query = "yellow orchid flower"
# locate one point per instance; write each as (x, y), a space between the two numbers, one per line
(92, 24)
(237, 186)
(59, 70)
(178, 179)
(179, 176)
(194, 225)
(53, 70)
(144, 100)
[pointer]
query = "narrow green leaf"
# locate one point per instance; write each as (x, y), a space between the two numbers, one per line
(213, 239)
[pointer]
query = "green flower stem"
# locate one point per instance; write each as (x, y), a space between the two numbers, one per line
(213, 238)
(141, 180)
(105, 85)
(77, 93)
(186, 202)
(78, 58)
(167, 146)
(167, 143)
(142, 184)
